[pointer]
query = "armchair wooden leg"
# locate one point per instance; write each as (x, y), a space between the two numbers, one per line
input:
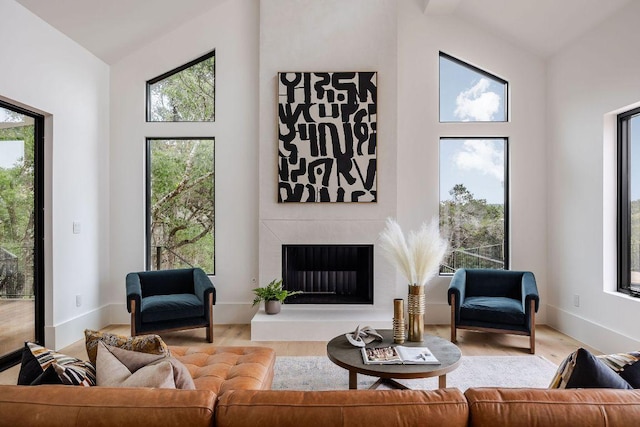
(532, 337)
(210, 325)
(454, 338)
(133, 318)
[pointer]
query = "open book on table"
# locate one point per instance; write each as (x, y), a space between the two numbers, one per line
(399, 355)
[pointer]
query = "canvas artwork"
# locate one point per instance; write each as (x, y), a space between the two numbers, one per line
(327, 131)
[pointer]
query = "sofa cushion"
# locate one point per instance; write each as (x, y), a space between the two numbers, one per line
(158, 308)
(55, 406)
(557, 408)
(493, 310)
(112, 373)
(143, 343)
(37, 361)
(221, 369)
(285, 408)
(627, 365)
(581, 369)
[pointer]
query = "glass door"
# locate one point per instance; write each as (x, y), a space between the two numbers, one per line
(21, 236)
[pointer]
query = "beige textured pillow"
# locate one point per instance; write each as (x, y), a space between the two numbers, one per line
(135, 360)
(152, 344)
(110, 372)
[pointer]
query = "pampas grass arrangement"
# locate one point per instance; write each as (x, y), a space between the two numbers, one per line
(418, 257)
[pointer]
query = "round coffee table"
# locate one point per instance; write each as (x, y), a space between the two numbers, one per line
(343, 354)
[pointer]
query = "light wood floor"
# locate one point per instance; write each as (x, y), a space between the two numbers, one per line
(550, 344)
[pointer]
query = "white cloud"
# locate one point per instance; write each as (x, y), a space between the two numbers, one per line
(481, 155)
(477, 103)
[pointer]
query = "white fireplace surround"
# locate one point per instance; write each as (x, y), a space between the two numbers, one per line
(310, 322)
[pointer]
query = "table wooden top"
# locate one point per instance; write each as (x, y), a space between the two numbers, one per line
(345, 355)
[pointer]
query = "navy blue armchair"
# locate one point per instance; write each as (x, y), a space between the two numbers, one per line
(167, 300)
(500, 301)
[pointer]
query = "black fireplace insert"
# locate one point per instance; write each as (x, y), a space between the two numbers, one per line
(328, 274)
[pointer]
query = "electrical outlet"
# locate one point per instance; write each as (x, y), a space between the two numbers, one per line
(576, 300)
(77, 227)
(78, 300)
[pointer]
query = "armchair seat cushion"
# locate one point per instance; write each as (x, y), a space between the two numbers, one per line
(157, 308)
(493, 310)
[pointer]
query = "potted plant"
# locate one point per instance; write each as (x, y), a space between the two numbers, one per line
(273, 296)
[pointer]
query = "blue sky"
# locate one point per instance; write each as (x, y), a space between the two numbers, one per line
(466, 95)
(10, 151)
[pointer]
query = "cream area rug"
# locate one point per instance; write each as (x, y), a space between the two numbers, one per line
(319, 373)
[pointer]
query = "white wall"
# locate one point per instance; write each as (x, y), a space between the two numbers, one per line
(231, 28)
(47, 72)
(328, 35)
(420, 38)
(595, 76)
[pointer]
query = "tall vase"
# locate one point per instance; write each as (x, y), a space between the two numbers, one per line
(415, 308)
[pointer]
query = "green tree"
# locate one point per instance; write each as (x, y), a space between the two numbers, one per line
(473, 227)
(181, 205)
(17, 208)
(186, 96)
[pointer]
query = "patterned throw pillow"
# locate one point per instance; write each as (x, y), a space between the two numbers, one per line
(38, 362)
(152, 344)
(581, 369)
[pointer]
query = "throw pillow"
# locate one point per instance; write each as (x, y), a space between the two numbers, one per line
(581, 369)
(36, 361)
(112, 373)
(49, 376)
(627, 365)
(143, 343)
(135, 360)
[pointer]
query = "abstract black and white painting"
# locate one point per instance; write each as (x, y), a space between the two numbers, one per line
(327, 131)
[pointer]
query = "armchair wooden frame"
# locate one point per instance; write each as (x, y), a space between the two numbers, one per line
(532, 335)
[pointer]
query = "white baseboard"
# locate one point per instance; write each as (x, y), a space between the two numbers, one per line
(72, 330)
(592, 334)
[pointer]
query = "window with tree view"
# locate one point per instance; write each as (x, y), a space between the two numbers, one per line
(184, 94)
(629, 202)
(180, 203)
(473, 202)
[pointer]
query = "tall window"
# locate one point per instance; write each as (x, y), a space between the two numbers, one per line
(180, 203)
(184, 94)
(629, 202)
(469, 94)
(473, 202)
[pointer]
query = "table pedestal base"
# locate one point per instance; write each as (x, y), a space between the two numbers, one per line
(389, 382)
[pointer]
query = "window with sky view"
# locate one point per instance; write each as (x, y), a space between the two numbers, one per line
(473, 172)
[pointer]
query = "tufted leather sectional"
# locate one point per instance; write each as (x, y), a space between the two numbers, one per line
(233, 391)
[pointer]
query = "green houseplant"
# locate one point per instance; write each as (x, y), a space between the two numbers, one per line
(273, 296)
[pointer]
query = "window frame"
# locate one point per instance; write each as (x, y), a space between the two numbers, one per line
(13, 358)
(507, 259)
(170, 73)
(148, 221)
(507, 116)
(623, 223)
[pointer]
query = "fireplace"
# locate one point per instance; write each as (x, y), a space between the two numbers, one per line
(328, 274)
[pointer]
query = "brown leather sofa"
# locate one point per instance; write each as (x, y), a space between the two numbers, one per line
(233, 391)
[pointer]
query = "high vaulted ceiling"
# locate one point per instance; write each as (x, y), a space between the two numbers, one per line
(112, 29)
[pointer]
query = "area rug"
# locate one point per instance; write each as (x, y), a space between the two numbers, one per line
(319, 373)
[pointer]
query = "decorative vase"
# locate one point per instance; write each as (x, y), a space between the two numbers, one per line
(416, 306)
(398, 321)
(272, 307)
